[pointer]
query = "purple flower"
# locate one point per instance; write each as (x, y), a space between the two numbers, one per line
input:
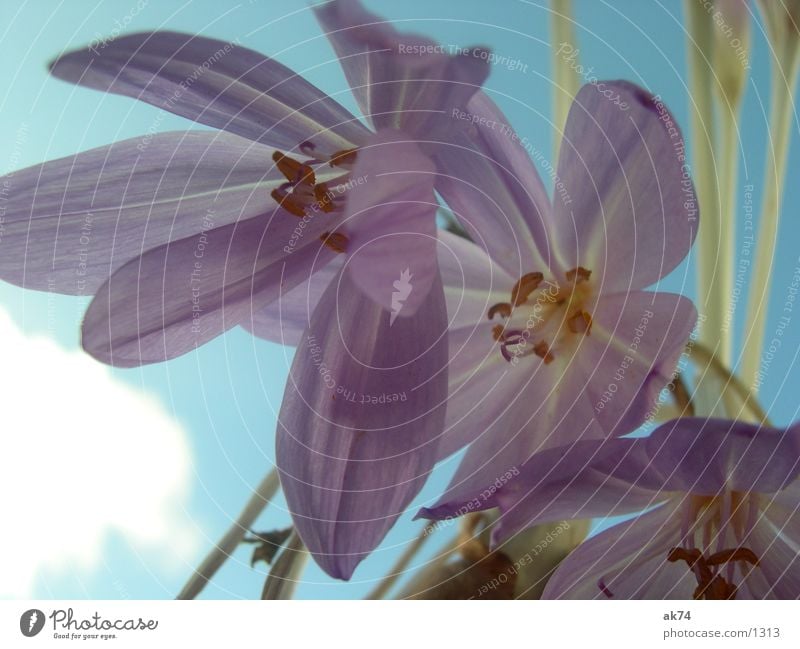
(552, 337)
(721, 520)
(179, 235)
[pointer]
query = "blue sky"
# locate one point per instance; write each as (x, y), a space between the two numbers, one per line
(223, 399)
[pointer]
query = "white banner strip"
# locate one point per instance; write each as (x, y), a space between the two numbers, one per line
(349, 625)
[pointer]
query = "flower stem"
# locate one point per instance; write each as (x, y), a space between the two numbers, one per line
(233, 537)
(701, 125)
(385, 585)
(565, 58)
(284, 576)
(780, 121)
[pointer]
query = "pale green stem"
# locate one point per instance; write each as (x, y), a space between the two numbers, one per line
(702, 137)
(729, 174)
(385, 585)
(565, 62)
(285, 573)
(780, 123)
(233, 537)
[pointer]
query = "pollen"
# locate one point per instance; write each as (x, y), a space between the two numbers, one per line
(294, 171)
(580, 322)
(578, 275)
(542, 350)
(503, 308)
(526, 285)
(335, 241)
(343, 157)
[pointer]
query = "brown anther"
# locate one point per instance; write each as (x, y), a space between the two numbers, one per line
(580, 322)
(738, 554)
(526, 285)
(287, 202)
(497, 332)
(294, 171)
(324, 197)
(716, 588)
(343, 157)
(682, 554)
(335, 241)
(578, 275)
(542, 350)
(503, 308)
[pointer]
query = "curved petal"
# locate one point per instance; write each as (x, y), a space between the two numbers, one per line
(632, 216)
(284, 320)
(70, 223)
(185, 293)
(399, 80)
(775, 540)
(488, 180)
(627, 561)
(706, 456)
(631, 354)
(217, 83)
(391, 223)
(360, 421)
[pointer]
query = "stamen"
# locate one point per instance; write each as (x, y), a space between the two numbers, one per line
(324, 197)
(294, 171)
(288, 202)
(578, 275)
(503, 308)
(737, 554)
(497, 332)
(580, 323)
(343, 157)
(526, 285)
(335, 241)
(682, 554)
(542, 350)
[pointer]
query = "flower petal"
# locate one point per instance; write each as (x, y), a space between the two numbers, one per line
(391, 223)
(185, 293)
(217, 83)
(70, 223)
(627, 561)
(399, 80)
(631, 354)
(488, 180)
(706, 456)
(284, 320)
(360, 421)
(632, 216)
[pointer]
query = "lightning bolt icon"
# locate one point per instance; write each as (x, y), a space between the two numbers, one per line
(32, 621)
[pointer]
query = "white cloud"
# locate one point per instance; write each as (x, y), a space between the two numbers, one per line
(82, 456)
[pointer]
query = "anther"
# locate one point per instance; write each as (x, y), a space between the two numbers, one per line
(287, 202)
(343, 157)
(526, 285)
(335, 241)
(503, 308)
(578, 275)
(497, 332)
(294, 171)
(324, 197)
(580, 322)
(542, 350)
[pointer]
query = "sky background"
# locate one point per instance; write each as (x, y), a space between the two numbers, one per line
(113, 484)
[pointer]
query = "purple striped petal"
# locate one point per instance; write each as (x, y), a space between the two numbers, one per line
(632, 216)
(185, 293)
(70, 223)
(391, 221)
(360, 421)
(490, 183)
(217, 83)
(284, 320)
(399, 80)
(627, 561)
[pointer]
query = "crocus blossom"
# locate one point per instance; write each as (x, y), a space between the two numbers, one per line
(183, 235)
(720, 502)
(553, 337)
